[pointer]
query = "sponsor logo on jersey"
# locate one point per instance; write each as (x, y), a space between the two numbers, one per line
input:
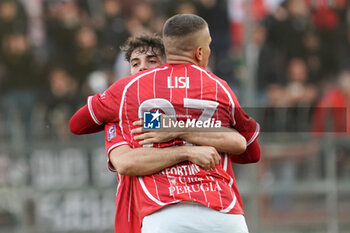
(111, 132)
(151, 120)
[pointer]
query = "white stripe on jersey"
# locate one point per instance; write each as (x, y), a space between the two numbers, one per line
(119, 179)
(205, 195)
(129, 125)
(222, 86)
(225, 163)
(93, 116)
(171, 90)
(155, 184)
(216, 98)
(233, 203)
(149, 195)
(171, 96)
(219, 192)
(231, 182)
(256, 133)
(125, 90)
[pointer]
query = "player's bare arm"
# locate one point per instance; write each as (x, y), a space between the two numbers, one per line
(146, 161)
(226, 140)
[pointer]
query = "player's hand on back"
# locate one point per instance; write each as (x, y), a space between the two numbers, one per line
(206, 157)
(146, 136)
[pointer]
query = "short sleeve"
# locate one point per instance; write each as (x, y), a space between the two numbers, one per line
(246, 125)
(240, 120)
(104, 107)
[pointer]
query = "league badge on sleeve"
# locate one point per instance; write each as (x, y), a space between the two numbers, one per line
(111, 132)
(151, 120)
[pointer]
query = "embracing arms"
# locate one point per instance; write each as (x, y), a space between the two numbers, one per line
(146, 160)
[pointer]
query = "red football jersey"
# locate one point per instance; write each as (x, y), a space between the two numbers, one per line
(183, 91)
(126, 216)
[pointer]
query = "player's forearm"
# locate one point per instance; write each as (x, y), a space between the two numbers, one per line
(229, 140)
(146, 161)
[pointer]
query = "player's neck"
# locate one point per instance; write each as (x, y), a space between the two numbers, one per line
(180, 59)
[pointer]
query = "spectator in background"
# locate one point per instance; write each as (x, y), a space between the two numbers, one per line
(328, 18)
(86, 56)
(285, 29)
(332, 114)
(19, 85)
(62, 99)
(332, 109)
(259, 54)
(112, 32)
(98, 81)
(272, 60)
(138, 16)
(344, 51)
(63, 22)
(36, 33)
(294, 28)
(288, 110)
(140, 19)
(216, 14)
(241, 11)
(13, 18)
(143, 12)
(299, 91)
(289, 105)
(184, 7)
(297, 23)
(313, 56)
(121, 66)
(274, 116)
(299, 95)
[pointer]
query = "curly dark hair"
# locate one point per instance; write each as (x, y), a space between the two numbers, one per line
(145, 41)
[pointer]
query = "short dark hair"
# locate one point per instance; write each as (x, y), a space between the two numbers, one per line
(183, 24)
(145, 41)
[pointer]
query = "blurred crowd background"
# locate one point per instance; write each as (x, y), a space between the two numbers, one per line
(285, 59)
(55, 53)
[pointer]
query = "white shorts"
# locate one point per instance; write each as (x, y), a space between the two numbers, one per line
(192, 218)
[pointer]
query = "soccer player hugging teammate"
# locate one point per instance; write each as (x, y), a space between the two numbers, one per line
(172, 187)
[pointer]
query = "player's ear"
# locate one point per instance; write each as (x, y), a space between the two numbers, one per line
(199, 53)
